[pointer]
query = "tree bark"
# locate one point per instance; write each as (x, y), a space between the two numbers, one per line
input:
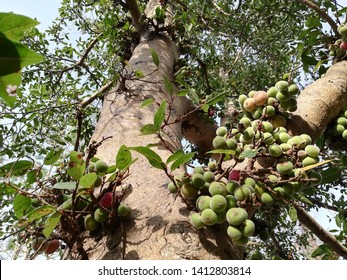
(159, 227)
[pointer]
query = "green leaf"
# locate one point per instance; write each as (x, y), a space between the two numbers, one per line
(313, 22)
(21, 205)
(88, 180)
(213, 99)
(14, 25)
(248, 154)
(182, 160)
(220, 151)
(33, 175)
(52, 156)
(65, 186)
(303, 199)
(182, 92)
(36, 214)
(77, 165)
(292, 213)
(330, 175)
(10, 57)
(6, 83)
(139, 74)
(175, 156)
(148, 129)
(153, 158)
(321, 250)
(155, 57)
(309, 60)
(15, 168)
(159, 115)
(168, 85)
(123, 158)
(147, 102)
(51, 223)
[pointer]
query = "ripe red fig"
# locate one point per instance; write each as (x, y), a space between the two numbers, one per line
(343, 46)
(234, 175)
(52, 246)
(107, 200)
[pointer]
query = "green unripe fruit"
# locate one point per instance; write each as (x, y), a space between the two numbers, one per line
(309, 161)
(339, 129)
(218, 203)
(196, 221)
(297, 141)
(213, 165)
(282, 96)
(198, 180)
(272, 101)
(98, 182)
(283, 137)
(217, 188)
(35, 202)
(285, 167)
(343, 31)
(312, 151)
(249, 181)
(282, 86)
(101, 166)
(339, 52)
(67, 205)
(243, 192)
(342, 121)
(278, 121)
(248, 134)
(221, 131)
(231, 201)
(242, 99)
(248, 228)
(234, 232)
(236, 216)
(293, 89)
(269, 111)
(275, 150)
(203, 202)
(219, 142)
(317, 176)
(231, 186)
(245, 121)
(285, 104)
(100, 215)
(267, 198)
(208, 176)
(220, 217)
(198, 169)
(344, 134)
(293, 105)
(91, 167)
(285, 147)
(259, 188)
(279, 191)
(268, 138)
(184, 178)
(90, 223)
(242, 241)
(273, 179)
(231, 144)
(172, 187)
(289, 189)
(208, 217)
(249, 105)
(267, 126)
(252, 93)
(189, 191)
(257, 114)
(272, 91)
(123, 210)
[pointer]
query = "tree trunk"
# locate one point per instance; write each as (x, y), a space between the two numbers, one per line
(159, 227)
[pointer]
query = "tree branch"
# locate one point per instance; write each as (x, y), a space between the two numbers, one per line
(322, 14)
(321, 233)
(85, 102)
(135, 13)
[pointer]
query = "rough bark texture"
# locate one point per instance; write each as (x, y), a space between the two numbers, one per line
(159, 227)
(320, 102)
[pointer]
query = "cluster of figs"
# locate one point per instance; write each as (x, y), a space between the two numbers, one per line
(340, 127)
(339, 48)
(224, 194)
